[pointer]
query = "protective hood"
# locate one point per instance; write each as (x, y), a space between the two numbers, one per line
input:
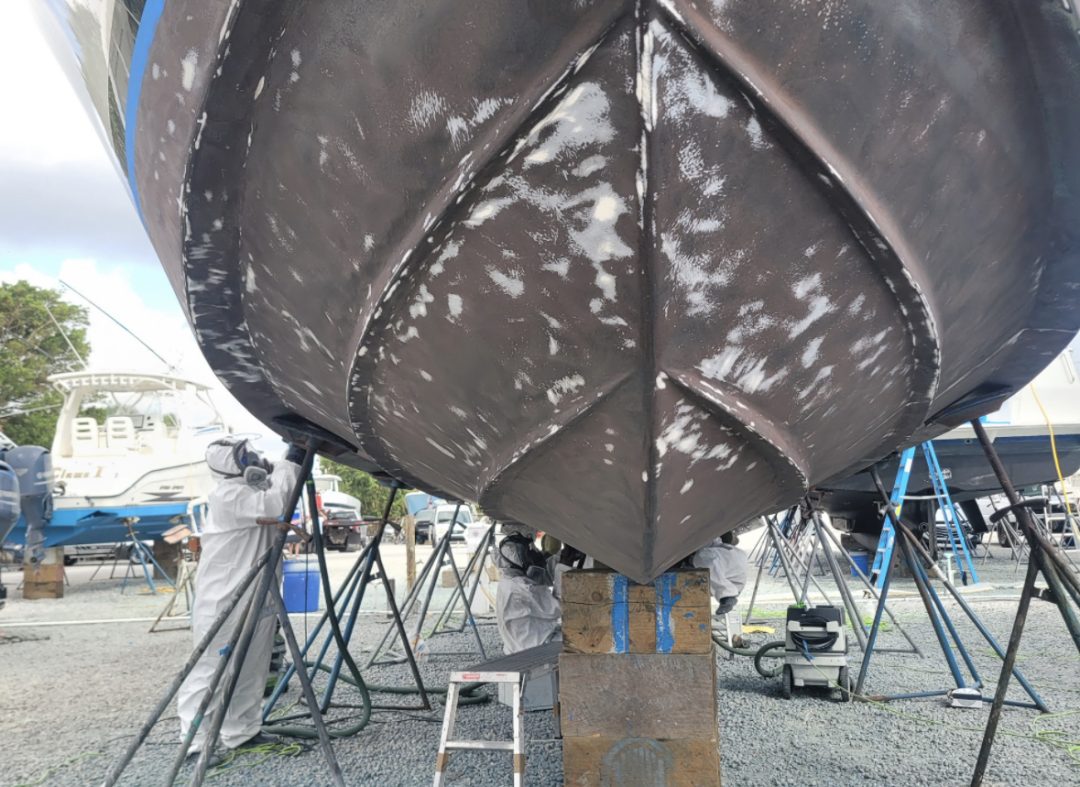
(517, 556)
(230, 457)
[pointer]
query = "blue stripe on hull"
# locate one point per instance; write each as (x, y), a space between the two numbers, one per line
(140, 59)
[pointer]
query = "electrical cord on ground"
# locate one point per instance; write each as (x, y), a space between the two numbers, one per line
(52, 771)
(247, 757)
(1056, 739)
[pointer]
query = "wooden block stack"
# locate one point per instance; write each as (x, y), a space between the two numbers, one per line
(637, 681)
(46, 580)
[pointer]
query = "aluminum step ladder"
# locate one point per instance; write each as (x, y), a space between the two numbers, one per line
(517, 669)
(957, 539)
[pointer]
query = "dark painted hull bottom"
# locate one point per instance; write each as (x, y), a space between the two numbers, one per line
(633, 272)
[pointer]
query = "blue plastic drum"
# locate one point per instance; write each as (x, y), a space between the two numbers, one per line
(300, 586)
(862, 560)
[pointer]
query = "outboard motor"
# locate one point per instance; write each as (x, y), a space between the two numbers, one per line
(33, 467)
(9, 510)
(9, 500)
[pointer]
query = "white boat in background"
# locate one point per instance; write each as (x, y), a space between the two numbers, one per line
(129, 447)
(332, 499)
(1051, 400)
(1021, 433)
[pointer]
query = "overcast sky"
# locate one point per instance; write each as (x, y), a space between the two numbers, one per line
(65, 214)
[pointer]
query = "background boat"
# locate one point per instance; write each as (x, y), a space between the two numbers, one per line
(129, 447)
(1021, 432)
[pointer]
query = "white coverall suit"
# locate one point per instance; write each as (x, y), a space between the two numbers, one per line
(526, 612)
(231, 543)
(727, 566)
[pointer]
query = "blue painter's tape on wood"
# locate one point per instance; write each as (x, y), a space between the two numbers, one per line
(666, 599)
(620, 614)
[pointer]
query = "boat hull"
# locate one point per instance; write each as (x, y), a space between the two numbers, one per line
(1027, 458)
(629, 272)
(76, 526)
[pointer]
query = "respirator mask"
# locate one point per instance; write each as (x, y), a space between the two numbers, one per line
(233, 458)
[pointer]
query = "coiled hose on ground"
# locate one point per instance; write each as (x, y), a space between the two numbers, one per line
(281, 727)
(757, 654)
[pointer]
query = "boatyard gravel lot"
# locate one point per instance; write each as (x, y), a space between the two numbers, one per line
(71, 696)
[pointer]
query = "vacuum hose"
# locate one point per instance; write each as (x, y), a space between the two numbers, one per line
(814, 642)
(331, 615)
(757, 654)
(467, 696)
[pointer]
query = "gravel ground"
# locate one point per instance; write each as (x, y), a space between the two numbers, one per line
(70, 694)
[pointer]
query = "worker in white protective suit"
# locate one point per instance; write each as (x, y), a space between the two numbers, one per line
(250, 488)
(525, 610)
(727, 566)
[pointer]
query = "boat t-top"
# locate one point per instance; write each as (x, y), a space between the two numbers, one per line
(129, 450)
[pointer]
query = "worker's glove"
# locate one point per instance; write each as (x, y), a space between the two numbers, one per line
(295, 454)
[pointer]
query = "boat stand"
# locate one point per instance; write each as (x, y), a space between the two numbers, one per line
(261, 579)
(1001, 524)
(808, 519)
(185, 584)
(825, 541)
(426, 584)
(472, 576)
(367, 568)
(777, 552)
(910, 550)
(145, 557)
(1063, 588)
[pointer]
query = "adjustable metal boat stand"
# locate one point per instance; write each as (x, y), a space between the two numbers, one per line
(367, 568)
(825, 540)
(765, 544)
(185, 587)
(426, 584)
(472, 576)
(144, 556)
(793, 529)
(780, 550)
(779, 543)
(999, 523)
(1063, 586)
(234, 653)
(910, 550)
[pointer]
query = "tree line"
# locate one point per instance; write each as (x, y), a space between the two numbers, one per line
(40, 335)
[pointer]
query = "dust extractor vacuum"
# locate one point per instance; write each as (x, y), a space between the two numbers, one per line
(815, 651)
